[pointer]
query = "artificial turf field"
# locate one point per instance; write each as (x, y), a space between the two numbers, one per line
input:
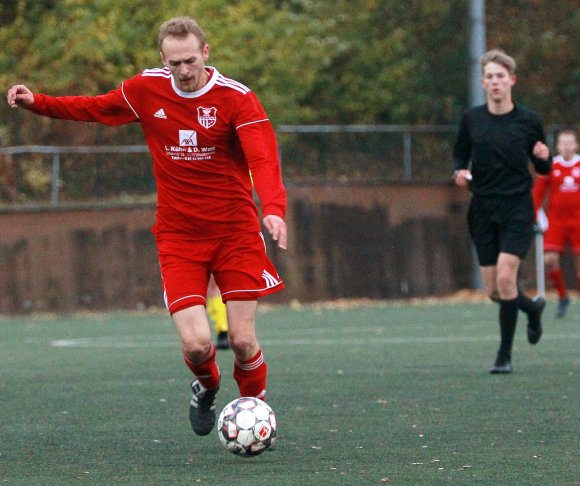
(374, 394)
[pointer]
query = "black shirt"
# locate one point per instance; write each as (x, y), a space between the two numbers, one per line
(499, 147)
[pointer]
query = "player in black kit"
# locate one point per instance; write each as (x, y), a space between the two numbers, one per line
(494, 145)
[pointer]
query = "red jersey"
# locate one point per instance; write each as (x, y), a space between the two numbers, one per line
(562, 186)
(204, 145)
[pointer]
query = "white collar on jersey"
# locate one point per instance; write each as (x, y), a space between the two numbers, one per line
(194, 94)
(567, 163)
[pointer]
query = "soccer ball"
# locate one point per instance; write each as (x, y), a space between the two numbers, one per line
(247, 426)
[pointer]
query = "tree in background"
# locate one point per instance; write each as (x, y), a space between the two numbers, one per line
(543, 38)
(346, 61)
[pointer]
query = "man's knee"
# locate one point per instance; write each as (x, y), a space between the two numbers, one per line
(242, 344)
(193, 329)
(197, 351)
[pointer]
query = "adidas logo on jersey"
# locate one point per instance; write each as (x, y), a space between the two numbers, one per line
(160, 114)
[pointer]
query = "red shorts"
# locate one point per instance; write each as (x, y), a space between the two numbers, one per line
(560, 232)
(238, 263)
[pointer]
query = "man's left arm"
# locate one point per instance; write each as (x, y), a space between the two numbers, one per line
(540, 153)
(258, 141)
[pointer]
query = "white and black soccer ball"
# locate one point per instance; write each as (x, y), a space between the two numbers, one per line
(247, 426)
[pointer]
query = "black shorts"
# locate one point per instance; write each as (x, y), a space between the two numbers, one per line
(501, 224)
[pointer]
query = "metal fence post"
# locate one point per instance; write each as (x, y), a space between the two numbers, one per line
(407, 157)
(54, 179)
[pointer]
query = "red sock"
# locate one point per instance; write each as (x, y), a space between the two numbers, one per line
(251, 376)
(557, 278)
(206, 372)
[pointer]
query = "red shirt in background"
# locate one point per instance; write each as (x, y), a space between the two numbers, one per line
(562, 188)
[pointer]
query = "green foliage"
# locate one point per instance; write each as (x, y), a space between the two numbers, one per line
(346, 61)
(76, 46)
(543, 37)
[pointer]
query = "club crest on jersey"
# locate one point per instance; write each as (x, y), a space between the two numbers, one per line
(187, 138)
(206, 116)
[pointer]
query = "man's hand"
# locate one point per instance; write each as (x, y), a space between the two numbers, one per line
(541, 220)
(277, 229)
(19, 95)
(462, 177)
(541, 151)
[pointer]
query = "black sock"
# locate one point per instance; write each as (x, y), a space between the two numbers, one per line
(525, 303)
(508, 318)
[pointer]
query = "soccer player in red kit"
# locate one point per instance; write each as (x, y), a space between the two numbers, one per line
(206, 133)
(560, 192)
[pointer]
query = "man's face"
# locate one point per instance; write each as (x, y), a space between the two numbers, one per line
(497, 82)
(567, 145)
(185, 58)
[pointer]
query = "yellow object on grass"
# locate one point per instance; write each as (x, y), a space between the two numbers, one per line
(216, 310)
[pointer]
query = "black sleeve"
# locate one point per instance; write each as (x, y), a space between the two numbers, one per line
(462, 148)
(542, 166)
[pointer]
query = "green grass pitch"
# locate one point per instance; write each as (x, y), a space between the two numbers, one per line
(381, 393)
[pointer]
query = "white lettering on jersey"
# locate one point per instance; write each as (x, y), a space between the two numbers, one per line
(188, 148)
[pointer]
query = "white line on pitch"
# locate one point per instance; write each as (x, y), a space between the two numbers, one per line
(129, 342)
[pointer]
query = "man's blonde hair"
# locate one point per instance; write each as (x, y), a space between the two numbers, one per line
(499, 57)
(180, 27)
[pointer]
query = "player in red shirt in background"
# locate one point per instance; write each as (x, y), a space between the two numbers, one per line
(206, 133)
(559, 191)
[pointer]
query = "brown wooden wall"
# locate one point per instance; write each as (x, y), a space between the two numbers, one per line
(386, 241)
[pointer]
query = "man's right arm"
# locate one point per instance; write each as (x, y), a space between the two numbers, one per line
(462, 148)
(461, 155)
(19, 95)
(110, 109)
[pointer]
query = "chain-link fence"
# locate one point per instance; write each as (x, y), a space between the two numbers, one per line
(322, 153)
(369, 153)
(41, 174)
